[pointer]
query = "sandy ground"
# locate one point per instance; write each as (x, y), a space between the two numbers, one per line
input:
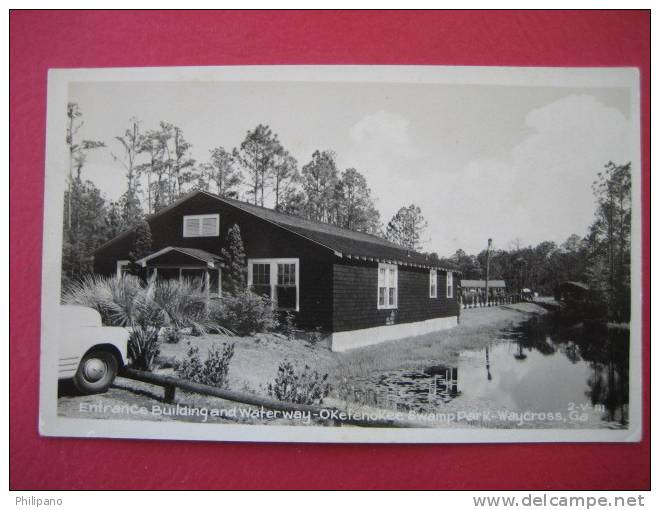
(257, 358)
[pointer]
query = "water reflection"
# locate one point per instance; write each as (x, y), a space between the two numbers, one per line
(542, 365)
(489, 376)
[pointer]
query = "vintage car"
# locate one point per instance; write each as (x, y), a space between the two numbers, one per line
(89, 353)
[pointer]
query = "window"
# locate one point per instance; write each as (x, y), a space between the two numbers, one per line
(276, 279)
(433, 283)
(123, 267)
(201, 225)
(261, 279)
(388, 277)
(450, 284)
(286, 286)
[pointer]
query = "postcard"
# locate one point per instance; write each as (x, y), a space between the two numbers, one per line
(409, 254)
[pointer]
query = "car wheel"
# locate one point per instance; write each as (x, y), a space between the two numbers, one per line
(96, 372)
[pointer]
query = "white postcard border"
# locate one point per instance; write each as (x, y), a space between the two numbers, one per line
(56, 158)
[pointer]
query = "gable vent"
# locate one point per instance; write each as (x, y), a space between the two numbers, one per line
(201, 225)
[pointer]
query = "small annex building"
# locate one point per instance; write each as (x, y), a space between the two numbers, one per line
(572, 291)
(480, 285)
(359, 288)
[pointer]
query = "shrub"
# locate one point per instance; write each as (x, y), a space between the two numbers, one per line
(143, 347)
(245, 313)
(213, 371)
(286, 324)
(300, 387)
(170, 335)
(316, 336)
(233, 257)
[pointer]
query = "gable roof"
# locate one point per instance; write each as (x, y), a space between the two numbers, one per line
(203, 256)
(481, 284)
(344, 242)
(578, 285)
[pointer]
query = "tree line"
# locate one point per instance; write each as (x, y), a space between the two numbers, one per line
(600, 259)
(159, 168)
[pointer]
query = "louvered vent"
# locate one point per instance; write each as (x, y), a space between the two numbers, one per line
(201, 225)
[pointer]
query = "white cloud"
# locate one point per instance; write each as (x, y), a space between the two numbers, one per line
(542, 190)
(384, 133)
(384, 151)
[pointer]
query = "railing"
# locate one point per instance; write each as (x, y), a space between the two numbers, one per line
(480, 301)
(171, 384)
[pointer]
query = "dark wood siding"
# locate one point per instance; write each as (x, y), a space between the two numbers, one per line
(356, 293)
(261, 238)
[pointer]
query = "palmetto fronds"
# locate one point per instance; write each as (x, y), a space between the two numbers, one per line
(144, 308)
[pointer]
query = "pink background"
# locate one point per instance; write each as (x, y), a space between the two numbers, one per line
(42, 40)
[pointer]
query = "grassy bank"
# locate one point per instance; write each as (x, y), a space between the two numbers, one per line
(257, 358)
(477, 327)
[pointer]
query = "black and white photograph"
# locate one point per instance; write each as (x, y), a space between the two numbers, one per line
(342, 254)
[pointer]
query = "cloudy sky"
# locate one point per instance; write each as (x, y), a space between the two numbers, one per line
(508, 162)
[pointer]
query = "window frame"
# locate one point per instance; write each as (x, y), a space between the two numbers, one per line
(433, 283)
(121, 264)
(273, 262)
(387, 267)
(201, 217)
(450, 285)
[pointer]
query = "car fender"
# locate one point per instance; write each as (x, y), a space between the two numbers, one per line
(81, 331)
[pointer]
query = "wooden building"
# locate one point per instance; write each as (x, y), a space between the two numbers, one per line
(473, 293)
(572, 292)
(358, 287)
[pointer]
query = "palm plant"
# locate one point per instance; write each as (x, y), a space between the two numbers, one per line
(144, 308)
(183, 302)
(92, 291)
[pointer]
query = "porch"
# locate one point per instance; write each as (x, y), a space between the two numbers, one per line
(178, 263)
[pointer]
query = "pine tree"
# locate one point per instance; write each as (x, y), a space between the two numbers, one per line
(407, 227)
(256, 155)
(114, 223)
(320, 179)
(609, 240)
(285, 176)
(235, 265)
(141, 245)
(222, 172)
(86, 209)
(130, 143)
(355, 207)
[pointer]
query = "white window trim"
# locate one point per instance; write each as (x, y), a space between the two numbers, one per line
(120, 265)
(273, 275)
(433, 283)
(201, 218)
(450, 285)
(387, 268)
